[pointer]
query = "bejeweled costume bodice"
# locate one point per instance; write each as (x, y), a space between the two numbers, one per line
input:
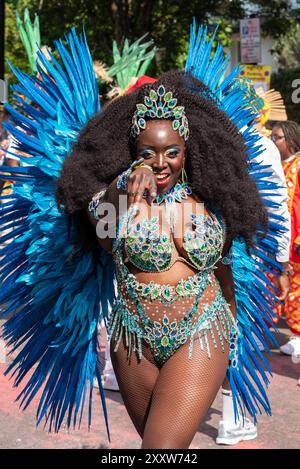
(164, 316)
(151, 251)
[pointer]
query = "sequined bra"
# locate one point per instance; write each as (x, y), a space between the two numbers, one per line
(149, 251)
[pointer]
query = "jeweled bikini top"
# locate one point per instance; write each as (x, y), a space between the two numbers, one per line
(151, 251)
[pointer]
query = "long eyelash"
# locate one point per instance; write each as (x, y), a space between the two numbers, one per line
(172, 152)
(146, 153)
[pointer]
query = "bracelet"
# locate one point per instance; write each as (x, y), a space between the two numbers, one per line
(123, 177)
(96, 200)
(142, 165)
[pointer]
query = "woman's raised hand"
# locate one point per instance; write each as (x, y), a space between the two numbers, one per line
(140, 180)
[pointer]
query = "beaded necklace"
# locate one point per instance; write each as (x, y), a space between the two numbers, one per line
(177, 193)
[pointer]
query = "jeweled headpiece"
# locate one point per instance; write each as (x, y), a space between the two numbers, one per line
(160, 104)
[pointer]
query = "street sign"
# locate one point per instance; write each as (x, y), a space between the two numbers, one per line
(250, 41)
(259, 74)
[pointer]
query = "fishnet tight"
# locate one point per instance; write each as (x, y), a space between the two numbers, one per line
(168, 403)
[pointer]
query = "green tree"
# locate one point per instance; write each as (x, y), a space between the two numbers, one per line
(287, 48)
(166, 21)
(287, 53)
(278, 15)
(14, 50)
(283, 82)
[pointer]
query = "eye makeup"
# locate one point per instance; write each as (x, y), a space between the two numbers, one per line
(147, 152)
(173, 152)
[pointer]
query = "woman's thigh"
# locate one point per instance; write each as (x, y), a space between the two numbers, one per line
(136, 379)
(184, 391)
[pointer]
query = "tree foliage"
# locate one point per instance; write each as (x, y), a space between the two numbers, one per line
(283, 82)
(287, 54)
(14, 49)
(278, 15)
(287, 48)
(166, 21)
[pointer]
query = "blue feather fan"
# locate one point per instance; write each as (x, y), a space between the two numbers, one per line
(58, 294)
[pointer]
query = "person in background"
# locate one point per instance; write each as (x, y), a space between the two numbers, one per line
(286, 136)
(5, 158)
(230, 432)
(4, 138)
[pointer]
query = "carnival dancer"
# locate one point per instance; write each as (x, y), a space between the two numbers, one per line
(185, 307)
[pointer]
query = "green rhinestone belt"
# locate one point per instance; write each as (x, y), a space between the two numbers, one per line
(168, 294)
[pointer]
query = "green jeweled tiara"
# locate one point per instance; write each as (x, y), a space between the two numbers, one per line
(160, 104)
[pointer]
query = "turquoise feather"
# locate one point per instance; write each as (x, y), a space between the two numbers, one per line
(254, 301)
(58, 298)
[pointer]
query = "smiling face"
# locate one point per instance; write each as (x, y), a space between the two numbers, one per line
(164, 150)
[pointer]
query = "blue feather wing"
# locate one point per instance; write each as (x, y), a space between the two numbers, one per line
(255, 297)
(59, 294)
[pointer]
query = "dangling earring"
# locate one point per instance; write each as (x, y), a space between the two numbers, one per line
(183, 174)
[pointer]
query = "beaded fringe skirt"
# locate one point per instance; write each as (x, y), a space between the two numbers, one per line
(166, 317)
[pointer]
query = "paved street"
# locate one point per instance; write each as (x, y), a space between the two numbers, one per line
(17, 428)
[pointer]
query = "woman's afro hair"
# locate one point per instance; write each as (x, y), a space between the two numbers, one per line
(216, 156)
